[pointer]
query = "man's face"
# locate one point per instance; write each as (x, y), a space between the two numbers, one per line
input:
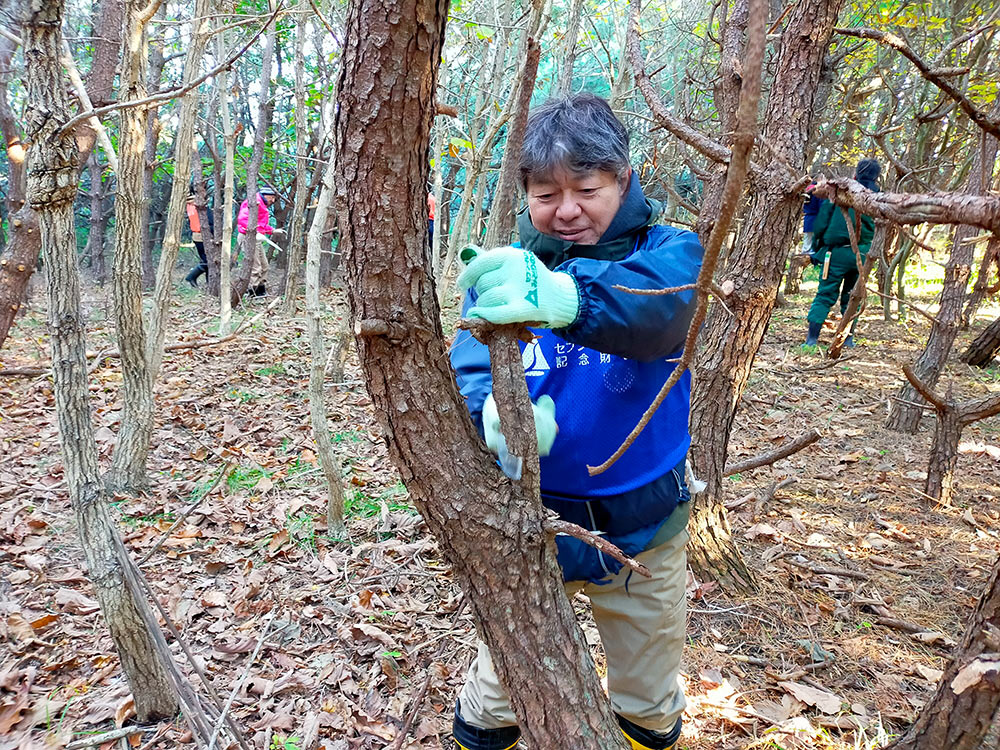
(576, 208)
(270, 199)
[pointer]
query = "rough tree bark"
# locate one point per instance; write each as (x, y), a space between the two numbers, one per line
(21, 254)
(984, 346)
(565, 85)
(907, 406)
(328, 458)
(52, 185)
(183, 141)
(226, 246)
(963, 713)
(952, 419)
(297, 239)
(128, 462)
(504, 214)
(98, 221)
(494, 540)
(731, 339)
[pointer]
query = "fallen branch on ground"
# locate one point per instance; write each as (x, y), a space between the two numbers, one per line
(766, 459)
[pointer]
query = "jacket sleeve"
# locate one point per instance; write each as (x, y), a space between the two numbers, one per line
(263, 218)
(243, 218)
(471, 361)
(643, 327)
(822, 223)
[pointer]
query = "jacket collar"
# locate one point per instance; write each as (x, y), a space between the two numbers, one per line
(636, 213)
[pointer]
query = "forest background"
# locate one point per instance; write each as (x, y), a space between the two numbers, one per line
(242, 479)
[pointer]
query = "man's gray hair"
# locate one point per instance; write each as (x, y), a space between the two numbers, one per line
(579, 133)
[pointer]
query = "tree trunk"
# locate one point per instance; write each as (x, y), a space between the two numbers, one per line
(183, 142)
(152, 130)
(52, 187)
(488, 530)
(249, 243)
(98, 221)
(226, 244)
(964, 713)
(20, 257)
(297, 239)
(128, 462)
(907, 406)
(984, 346)
(504, 214)
(16, 265)
(565, 85)
(328, 458)
(983, 287)
(944, 455)
(797, 264)
(731, 340)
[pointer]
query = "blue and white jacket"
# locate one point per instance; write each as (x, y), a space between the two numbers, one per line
(603, 371)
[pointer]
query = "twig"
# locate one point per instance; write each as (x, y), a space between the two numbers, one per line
(656, 292)
(100, 739)
(765, 459)
(739, 164)
(823, 571)
(980, 118)
(559, 526)
(322, 18)
(415, 705)
(242, 680)
(916, 308)
(165, 96)
(187, 512)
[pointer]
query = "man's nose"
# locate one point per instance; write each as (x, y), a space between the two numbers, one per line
(568, 208)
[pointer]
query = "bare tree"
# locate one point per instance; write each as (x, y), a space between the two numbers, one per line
(128, 463)
(490, 529)
(178, 190)
(297, 240)
(329, 460)
(53, 169)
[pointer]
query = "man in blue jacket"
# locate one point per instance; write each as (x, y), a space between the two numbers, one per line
(600, 356)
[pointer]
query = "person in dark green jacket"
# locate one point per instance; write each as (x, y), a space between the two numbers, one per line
(832, 250)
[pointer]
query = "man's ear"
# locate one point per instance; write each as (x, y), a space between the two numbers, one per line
(624, 182)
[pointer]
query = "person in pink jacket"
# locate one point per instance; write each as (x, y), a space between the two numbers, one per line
(266, 198)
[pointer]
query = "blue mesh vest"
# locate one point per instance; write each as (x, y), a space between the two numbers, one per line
(599, 399)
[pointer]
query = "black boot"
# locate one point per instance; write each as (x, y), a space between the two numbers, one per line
(468, 737)
(813, 337)
(192, 277)
(260, 291)
(647, 739)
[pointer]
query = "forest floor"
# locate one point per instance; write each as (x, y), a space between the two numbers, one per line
(358, 635)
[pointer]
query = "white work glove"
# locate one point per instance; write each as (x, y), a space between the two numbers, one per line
(545, 425)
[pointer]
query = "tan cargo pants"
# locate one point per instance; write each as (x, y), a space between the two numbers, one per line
(642, 629)
(259, 265)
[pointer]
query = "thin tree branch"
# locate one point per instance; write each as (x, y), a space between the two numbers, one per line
(989, 124)
(936, 207)
(924, 390)
(766, 459)
(559, 526)
(739, 165)
(165, 96)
